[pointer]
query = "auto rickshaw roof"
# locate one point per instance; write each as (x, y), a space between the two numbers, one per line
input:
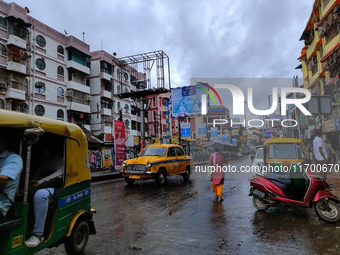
(23, 120)
(283, 140)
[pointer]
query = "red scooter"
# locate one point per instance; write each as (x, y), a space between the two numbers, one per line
(303, 189)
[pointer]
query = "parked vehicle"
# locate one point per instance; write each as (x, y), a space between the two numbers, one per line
(70, 217)
(302, 188)
(158, 161)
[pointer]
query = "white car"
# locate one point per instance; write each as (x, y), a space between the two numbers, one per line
(258, 158)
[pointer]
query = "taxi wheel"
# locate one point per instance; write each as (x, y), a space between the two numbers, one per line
(186, 175)
(129, 181)
(161, 177)
(76, 242)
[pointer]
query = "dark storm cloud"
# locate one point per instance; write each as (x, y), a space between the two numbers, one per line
(244, 38)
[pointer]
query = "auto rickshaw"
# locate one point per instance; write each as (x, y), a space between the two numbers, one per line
(70, 217)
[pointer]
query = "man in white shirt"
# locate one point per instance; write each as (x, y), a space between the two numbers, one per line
(320, 153)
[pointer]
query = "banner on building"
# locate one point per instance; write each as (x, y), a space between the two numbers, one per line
(120, 145)
(202, 129)
(213, 133)
(185, 130)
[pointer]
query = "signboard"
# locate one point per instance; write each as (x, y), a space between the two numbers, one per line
(223, 137)
(217, 111)
(120, 145)
(186, 101)
(213, 133)
(303, 121)
(174, 139)
(202, 129)
(234, 132)
(185, 130)
(108, 138)
(107, 159)
(135, 140)
(329, 126)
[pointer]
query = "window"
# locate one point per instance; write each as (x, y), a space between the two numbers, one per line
(127, 123)
(126, 90)
(60, 70)
(60, 49)
(60, 92)
(40, 63)
(40, 87)
(118, 105)
(39, 110)
(41, 41)
(60, 114)
(126, 76)
(118, 89)
(3, 23)
(179, 151)
(118, 71)
(3, 50)
(171, 152)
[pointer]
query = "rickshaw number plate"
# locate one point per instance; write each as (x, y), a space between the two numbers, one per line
(17, 241)
(134, 176)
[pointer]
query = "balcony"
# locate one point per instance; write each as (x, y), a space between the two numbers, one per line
(106, 111)
(78, 86)
(16, 67)
(107, 94)
(76, 66)
(79, 107)
(17, 41)
(15, 94)
(107, 130)
(105, 76)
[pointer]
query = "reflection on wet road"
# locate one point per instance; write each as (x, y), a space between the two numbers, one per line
(184, 218)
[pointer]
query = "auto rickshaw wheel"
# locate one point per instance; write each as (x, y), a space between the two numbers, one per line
(161, 177)
(329, 212)
(259, 204)
(186, 175)
(129, 181)
(77, 241)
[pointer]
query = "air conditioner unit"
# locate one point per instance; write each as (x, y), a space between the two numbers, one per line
(69, 93)
(3, 85)
(88, 98)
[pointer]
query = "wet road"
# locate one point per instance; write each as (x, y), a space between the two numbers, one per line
(184, 218)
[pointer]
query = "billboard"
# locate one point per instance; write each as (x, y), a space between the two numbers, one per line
(119, 143)
(187, 101)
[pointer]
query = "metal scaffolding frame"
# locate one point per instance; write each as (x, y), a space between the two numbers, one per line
(148, 61)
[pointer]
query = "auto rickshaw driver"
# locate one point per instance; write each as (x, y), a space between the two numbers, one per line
(10, 168)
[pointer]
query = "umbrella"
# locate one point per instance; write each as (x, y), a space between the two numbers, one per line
(221, 145)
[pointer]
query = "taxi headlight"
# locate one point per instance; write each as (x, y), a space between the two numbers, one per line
(149, 164)
(124, 164)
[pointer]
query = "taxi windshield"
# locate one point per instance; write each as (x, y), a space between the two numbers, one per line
(154, 151)
(286, 151)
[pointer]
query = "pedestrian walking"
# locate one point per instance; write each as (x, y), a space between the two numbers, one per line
(320, 153)
(216, 161)
(330, 152)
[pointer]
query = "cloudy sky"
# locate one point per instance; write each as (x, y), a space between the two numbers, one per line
(225, 38)
(203, 39)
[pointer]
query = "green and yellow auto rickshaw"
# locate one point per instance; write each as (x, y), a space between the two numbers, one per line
(69, 218)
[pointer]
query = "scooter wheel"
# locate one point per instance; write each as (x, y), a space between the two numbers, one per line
(259, 204)
(330, 214)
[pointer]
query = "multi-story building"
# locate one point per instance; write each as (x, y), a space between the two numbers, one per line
(43, 72)
(109, 78)
(157, 117)
(320, 63)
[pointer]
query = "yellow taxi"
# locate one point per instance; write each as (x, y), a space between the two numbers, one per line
(158, 161)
